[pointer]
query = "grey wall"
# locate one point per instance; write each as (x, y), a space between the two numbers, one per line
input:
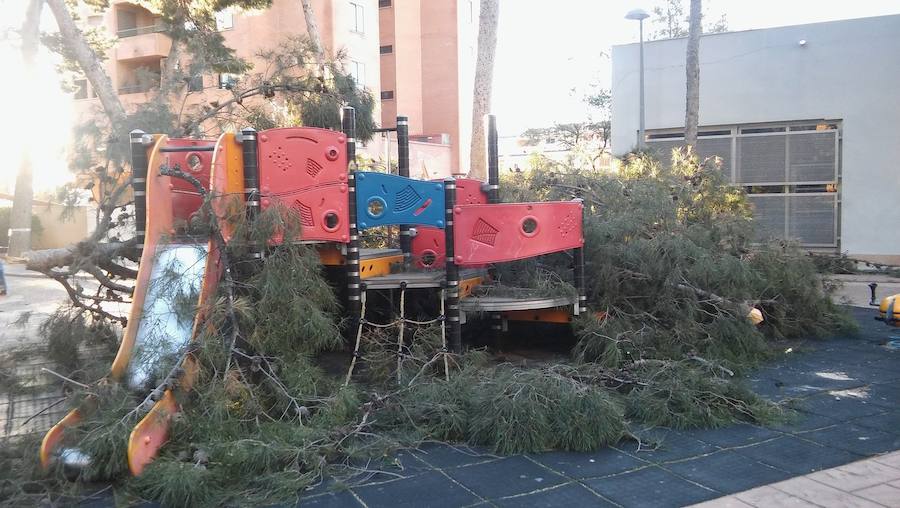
(848, 70)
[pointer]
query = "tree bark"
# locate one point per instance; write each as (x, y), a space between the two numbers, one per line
(89, 252)
(488, 18)
(90, 63)
(312, 29)
(692, 83)
(20, 215)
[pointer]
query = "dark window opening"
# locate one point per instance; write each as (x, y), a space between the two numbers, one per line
(384, 3)
(386, 50)
(387, 95)
(195, 84)
(761, 130)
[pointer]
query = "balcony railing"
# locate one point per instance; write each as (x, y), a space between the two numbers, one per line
(141, 30)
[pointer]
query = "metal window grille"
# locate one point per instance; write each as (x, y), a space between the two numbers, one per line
(788, 169)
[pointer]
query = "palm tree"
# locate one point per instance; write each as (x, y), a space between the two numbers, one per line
(484, 77)
(692, 66)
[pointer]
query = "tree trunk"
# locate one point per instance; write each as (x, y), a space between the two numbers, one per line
(312, 29)
(90, 62)
(692, 66)
(488, 19)
(20, 216)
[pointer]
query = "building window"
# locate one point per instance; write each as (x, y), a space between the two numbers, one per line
(195, 84)
(384, 3)
(224, 20)
(386, 50)
(358, 71)
(387, 95)
(228, 81)
(81, 89)
(358, 18)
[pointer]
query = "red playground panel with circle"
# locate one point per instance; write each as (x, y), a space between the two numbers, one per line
(427, 246)
(297, 158)
(186, 200)
(322, 211)
(510, 231)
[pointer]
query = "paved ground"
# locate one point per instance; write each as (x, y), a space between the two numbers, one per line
(850, 409)
(871, 483)
(849, 391)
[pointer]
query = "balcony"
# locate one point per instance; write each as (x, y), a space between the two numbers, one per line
(140, 30)
(143, 45)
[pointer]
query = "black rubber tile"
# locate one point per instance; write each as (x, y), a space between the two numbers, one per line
(506, 477)
(669, 445)
(727, 472)
(431, 489)
(577, 465)
(797, 456)
(566, 496)
(740, 434)
(856, 439)
(441, 455)
(838, 407)
(800, 422)
(885, 422)
(402, 464)
(885, 395)
(340, 499)
(651, 486)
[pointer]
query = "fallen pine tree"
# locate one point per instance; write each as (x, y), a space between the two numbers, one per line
(673, 268)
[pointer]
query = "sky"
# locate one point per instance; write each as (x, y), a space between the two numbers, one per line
(548, 55)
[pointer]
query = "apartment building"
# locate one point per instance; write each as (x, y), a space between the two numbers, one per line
(428, 51)
(418, 56)
(135, 60)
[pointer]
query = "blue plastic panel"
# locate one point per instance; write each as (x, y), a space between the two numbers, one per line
(383, 200)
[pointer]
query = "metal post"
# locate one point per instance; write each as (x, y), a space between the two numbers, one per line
(139, 165)
(403, 170)
(641, 128)
(348, 125)
(578, 269)
(452, 271)
(251, 171)
(493, 161)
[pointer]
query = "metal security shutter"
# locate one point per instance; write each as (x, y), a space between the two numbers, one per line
(716, 147)
(662, 148)
(813, 157)
(769, 215)
(812, 219)
(761, 158)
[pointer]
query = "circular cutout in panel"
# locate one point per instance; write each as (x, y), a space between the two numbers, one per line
(331, 221)
(529, 226)
(375, 207)
(193, 162)
(428, 257)
(331, 153)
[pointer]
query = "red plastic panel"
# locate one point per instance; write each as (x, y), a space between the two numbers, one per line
(297, 158)
(511, 231)
(428, 245)
(323, 212)
(185, 198)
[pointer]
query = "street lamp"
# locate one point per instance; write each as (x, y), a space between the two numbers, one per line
(640, 15)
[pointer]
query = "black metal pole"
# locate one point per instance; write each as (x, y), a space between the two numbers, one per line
(139, 165)
(493, 161)
(452, 271)
(403, 170)
(578, 268)
(250, 148)
(348, 124)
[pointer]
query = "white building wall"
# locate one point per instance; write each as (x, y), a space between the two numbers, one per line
(847, 70)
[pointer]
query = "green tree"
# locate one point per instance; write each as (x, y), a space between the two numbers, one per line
(671, 22)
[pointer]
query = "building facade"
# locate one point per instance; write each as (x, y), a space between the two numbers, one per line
(428, 69)
(804, 118)
(417, 56)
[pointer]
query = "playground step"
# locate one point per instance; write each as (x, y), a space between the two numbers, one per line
(512, 303)
(420, 280)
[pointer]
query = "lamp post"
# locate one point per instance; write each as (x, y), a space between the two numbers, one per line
(640, 15)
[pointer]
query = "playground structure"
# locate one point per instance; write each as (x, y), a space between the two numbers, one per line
(451, 233)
